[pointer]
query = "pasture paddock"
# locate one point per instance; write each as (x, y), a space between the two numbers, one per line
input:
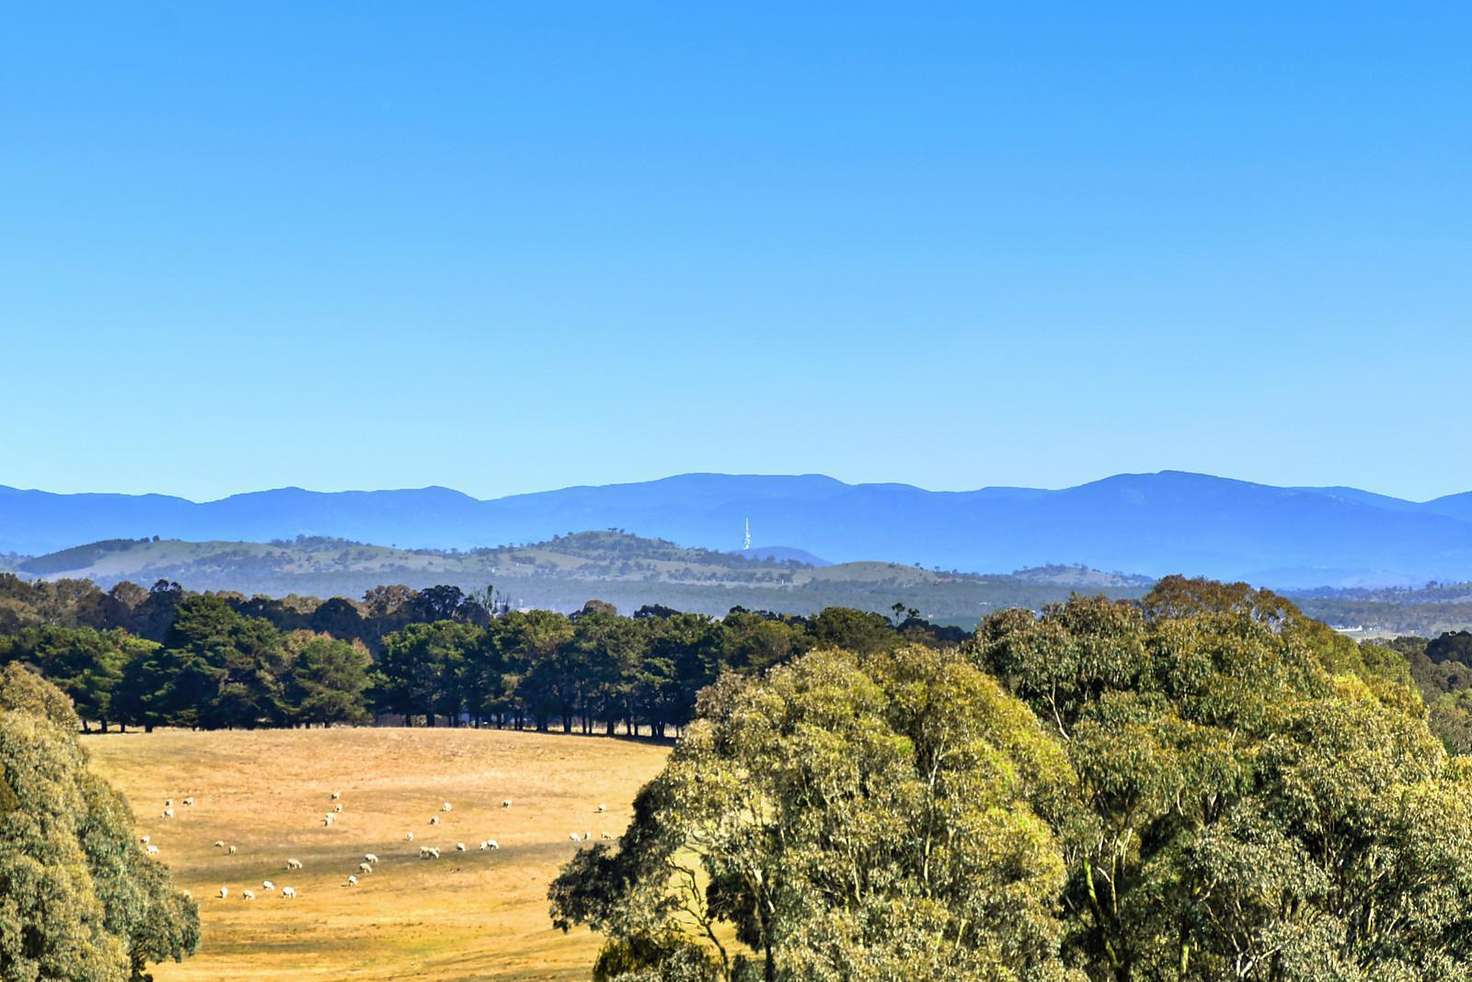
(469, 915)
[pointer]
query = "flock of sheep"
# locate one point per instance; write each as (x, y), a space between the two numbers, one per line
(369, 861)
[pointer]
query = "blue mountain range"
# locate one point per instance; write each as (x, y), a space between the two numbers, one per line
(1154, 524)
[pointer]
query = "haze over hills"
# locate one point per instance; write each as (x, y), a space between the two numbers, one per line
(1150, 524)
(563, 573)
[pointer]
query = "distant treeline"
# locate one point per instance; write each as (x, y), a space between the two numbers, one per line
(169, 657)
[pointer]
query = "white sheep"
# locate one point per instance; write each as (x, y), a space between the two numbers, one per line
(365, 867)
(352, 880)
(267, 885)
(145, 839)
(152, 850)
(430, 852)
(369, 857)
(434, 820)
(334, 796)
(601, 809)
(219, 844)
(168, 813)
(607, 835)
(459, 847)
(327, 819)
(224, 892)
(408, 836)
(288, 893)
(337, 807)
(444, 806)
(489, 844)
(574, 837)
(505, 802)
(168, 802)
(247, 895)
(230, 851)
(188, 802)
(293, 864)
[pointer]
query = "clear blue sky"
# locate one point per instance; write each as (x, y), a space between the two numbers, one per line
(513, 247)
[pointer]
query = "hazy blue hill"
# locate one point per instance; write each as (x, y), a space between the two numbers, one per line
(1140, 523)
(1369, 498)
(1458, 506)
(782, 554)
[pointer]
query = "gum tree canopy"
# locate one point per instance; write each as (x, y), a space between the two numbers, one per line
(79, 898)
(1206, 785)
(843, 818)
(1262, 799)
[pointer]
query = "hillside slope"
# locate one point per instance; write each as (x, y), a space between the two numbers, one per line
(564, 572)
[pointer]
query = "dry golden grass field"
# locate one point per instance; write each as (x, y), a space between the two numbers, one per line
(472, 915)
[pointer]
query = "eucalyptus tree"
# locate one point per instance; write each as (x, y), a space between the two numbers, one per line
(840, 818)
(79, 898)
(1262, 802)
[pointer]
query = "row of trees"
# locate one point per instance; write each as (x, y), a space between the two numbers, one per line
(1204, 786)
(217, 667)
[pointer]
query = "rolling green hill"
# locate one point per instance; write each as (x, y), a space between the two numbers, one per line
(565, 571)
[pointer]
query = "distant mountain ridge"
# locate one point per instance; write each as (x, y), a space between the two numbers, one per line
(1150, 524)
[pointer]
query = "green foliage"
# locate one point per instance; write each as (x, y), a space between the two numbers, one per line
(850, 819)
(79, 899)
(1261, 800)
(24, 691)
(327, 680)
(85, 663)
(420, 666)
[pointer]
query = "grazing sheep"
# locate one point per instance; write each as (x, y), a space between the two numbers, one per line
(408, 836)
(219, 844)
(601, 809)
(267, 885)
(365, 867)
(369, 857)
(434, 820)
(574, 837)
(428, 852)
(327, 819)
(334, 796)
(337, 807)
(505, 802)
(459, 847)
(168, 802)
(188, 802)
(224, 892)
(293, 864)
(352, 880)
(230, 851)
(288, 893)
(444, 806)
(489, 844)
(247, 895)
(145, 839)
(152, 850)
(168, 813)
(607, 835)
